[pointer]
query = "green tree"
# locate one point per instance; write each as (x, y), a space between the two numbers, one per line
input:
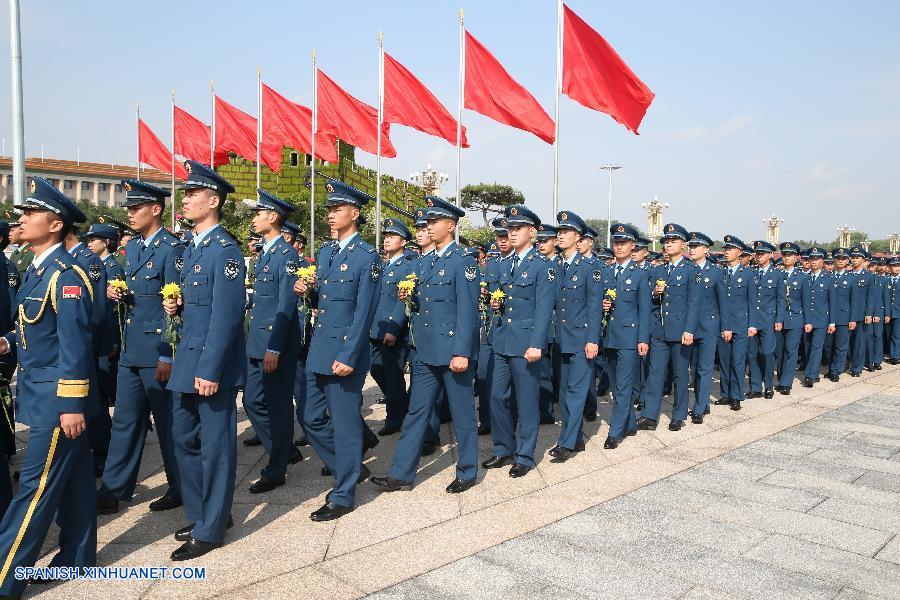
(489, 198)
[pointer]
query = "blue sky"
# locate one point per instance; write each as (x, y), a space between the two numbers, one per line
(762, 107)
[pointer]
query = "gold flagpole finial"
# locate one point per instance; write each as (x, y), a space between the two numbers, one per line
(461, 14)
(314, 56)
(380, 38)
(212, 85)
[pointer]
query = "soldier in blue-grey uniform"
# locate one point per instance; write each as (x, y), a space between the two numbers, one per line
(152, 259)
(9, 287)
(863, 299)
(273, 343)
(626, 332)
(818, 313)
(769, 303)
(210, 364)
(346, 294)
(447, 343)
(519, 343)
(546, 245)
(675, 312)
(390, 328)
(56, 370)
(585, 248)
(738, 322)
(710, 298)
(892, 310)
(840, 314)
(791, 317)
(875, 341)
(577, 337)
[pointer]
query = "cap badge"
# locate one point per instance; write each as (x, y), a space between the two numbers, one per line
(329, 188)
(620, 228)
(564, 217)
(127, 186)
(187, 166)
(33, 186)
(671, 228)
(513, 211)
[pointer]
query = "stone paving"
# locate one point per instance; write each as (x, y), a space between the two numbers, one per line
(797, 496)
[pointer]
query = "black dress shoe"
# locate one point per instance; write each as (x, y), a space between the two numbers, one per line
(770, 393)
(697, 419)
(870, 368)
(646, 424)
(194, 549)
(364, 474)
(852, 374)
(559, 454)
(254, 441)
(296, 456)
(519, 470)
(735, 405)
(611, 443)
(547, 420)
(579, 446)
(184, 534)
(107, 506)
(676, 425)
(458, 486)
(722, 402)
(835, 377)
(388, 430)
(807, 382)
(785, 391)
(631, 433)
(330, 511)
(706, 411)
(370, 444)
(166, 502)
(325, 471)
(496, 462)
(429, 448)
(877, 366)
(754, 395)
(484, 429)
(590, 417)
(264, 485)
(389, 484)
(301, 441)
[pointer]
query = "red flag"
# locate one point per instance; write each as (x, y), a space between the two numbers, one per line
(408, 102)
(595, 76)
(154, 153)
(355, 122)
(192, 139)
(490, 90)
(236, 132)
(290, 124)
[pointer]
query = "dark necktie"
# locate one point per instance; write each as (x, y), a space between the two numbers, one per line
(334, 250)
(515, 263)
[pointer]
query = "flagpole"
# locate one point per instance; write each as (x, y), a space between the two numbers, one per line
(378, 142)
(258, 127)
(212, 129)
(173, 160)
(559, 14)
(459, 106)
(138, 145)
(18, 119)
(312, 159)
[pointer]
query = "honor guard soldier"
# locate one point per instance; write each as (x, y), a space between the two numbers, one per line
(738, 322)
(273, 343)
(769, 302)
(892, 310)
(546, 245)
(447, 342)
(817, 312)
(863, 296)
(56, 365)
(346, 295)
(791, 317)
(23, 254)
(520, 341)
(152, 260)
(210, 364)
(676, 307)
(577, 333)
(711, 299)
(626, 329)
(9, 287)
(585, 247)
(841, 322)
(875, 342)
(390, 329)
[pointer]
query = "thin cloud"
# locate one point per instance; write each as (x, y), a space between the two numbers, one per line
(822, 170)
(845, 191)
(724, 130)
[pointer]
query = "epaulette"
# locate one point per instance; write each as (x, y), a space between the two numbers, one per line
(286, 249)
(224, 240)
(62, 265)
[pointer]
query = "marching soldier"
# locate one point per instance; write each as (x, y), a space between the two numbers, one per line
(577, 331)
(818, 313)
(711, 299)
(447, 341)
(585, 248)
(862, 308)
(519, 343)
(892, 311)
(674, 318)
(769, 302)
(841, 323)
(346, 295)
(388, 337)
(626, 335)
(52, 396)
(210, 362)
(272, 343)
(546, 245)
(791, 317)
(152, 260)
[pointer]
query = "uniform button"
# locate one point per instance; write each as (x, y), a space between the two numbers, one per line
(450, 333)
(251, 317)
(159, 331)
(270, 329)
(324, 296)
(132, 278)
(325, 282)
(509, 320)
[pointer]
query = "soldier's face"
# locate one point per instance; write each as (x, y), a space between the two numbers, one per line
(639, 254)
(895, 269)
(789, 260)
(199, 203)
(341, 218)
(422, 238)
(566, 238)
(520, 236)
(673, 246)
(392, 243)
(840, 264)
(698, 252)
(732, 254)
(503, 243)
(441, 230)
(547, 247)
(264, 221)
(829, 267)
(763, 258)
(586, 246)
(142, 216)
(856, 261)
(38, 225)
(96, 245)
(816, 263)
(15, 236)
(622, 249)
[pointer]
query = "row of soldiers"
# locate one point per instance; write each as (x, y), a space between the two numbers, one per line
(176, 334)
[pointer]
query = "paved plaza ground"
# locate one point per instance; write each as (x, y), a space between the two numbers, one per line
(796, 497)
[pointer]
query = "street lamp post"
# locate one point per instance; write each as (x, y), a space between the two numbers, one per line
(609, 168)
(894, 240)
(844, 232)
(654, 210)
(773, 229)
(431, 181)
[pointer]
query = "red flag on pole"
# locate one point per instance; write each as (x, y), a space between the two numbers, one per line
(595, 76)
(236, 132)
(192, 138)
(408, 102)
(343, 116)
(289, 124)
(153, 152)
(491, 91)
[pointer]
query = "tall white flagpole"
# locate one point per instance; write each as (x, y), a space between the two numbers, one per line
(378, 141)
(459, 106)
(258, 127)
(559, 17)
(312, 159)
(18, 118)
(137, 122)
(173, 161)
(212, 129)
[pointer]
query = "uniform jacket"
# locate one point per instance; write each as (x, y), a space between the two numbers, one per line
(491, 277)
(711, 300)
(274, 322)
(91, 264)
(819, 296)
(842, 298)
(111, 334)
(791, 312)
(740, 296)
(677, 310)
(770, 296)
(863, 296)
(892, 297)
(527, 309)
(579, 295)
(629, 323)
(390, 314)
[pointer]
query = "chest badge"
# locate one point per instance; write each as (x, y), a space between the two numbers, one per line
(678, 278)
(266, 269)
(706, 280)
(739, 279)
(343, 266)
(627, 282)
(149, 264)
(441, 272)
(574, 277)
(525, 275)
(391, 274)
(197, 268)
